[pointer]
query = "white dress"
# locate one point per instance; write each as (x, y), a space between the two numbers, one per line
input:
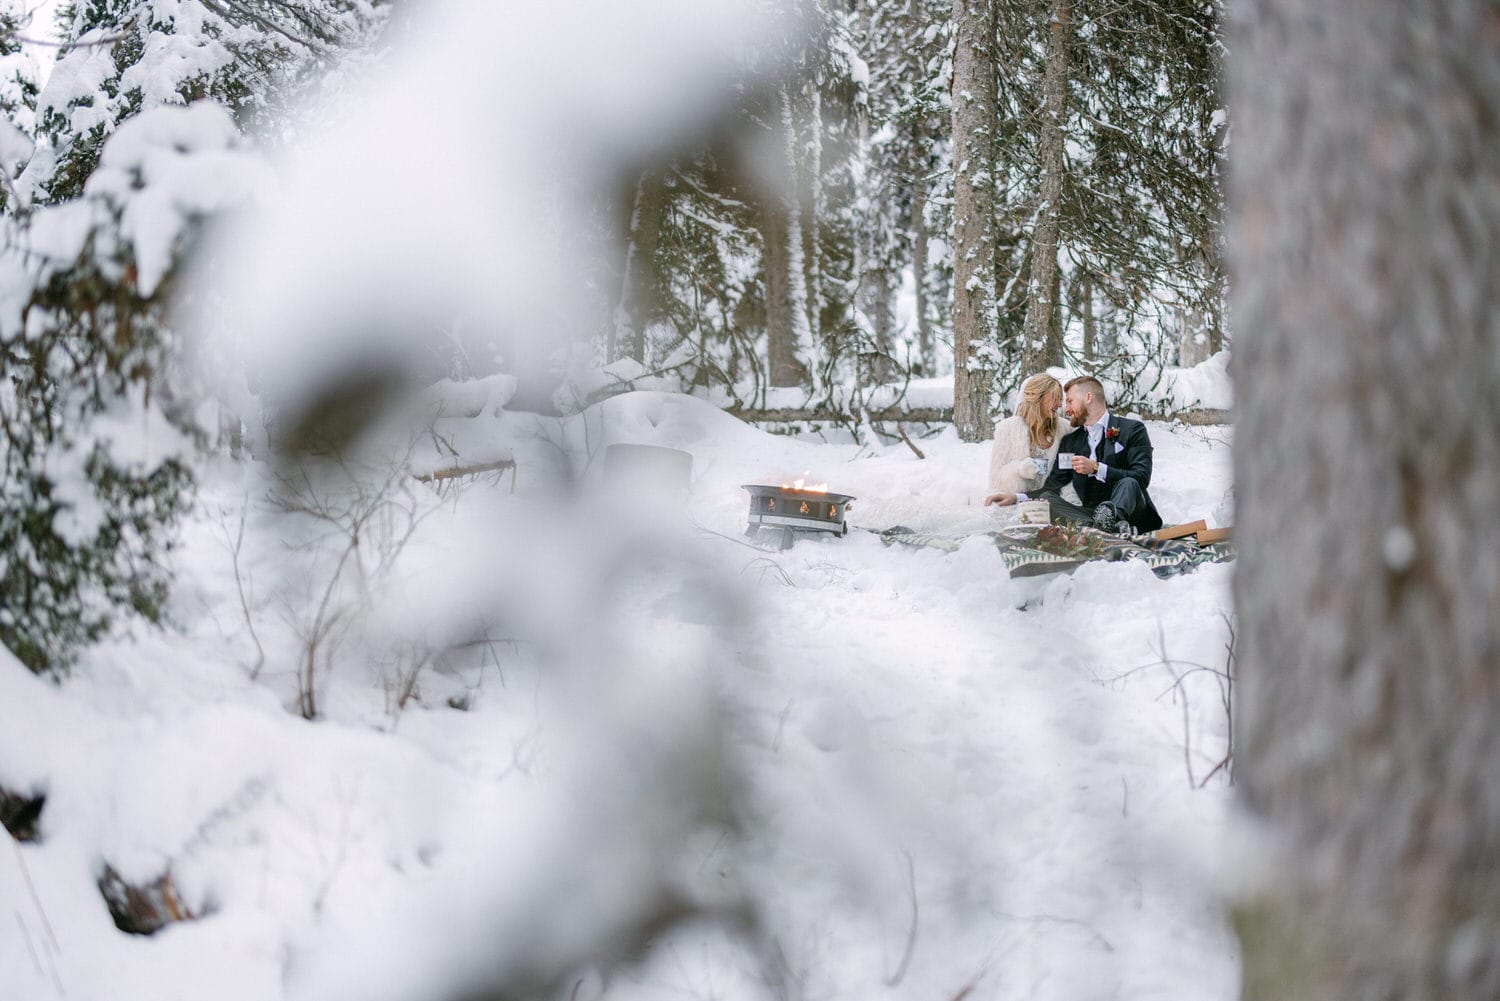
(1012, 457)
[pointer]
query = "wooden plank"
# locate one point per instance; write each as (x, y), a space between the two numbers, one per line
(1214, 535)
(1180, 531)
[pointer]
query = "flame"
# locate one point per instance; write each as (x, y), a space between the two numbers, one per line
(803, 485)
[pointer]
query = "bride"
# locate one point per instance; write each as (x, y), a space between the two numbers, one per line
(1026, 442)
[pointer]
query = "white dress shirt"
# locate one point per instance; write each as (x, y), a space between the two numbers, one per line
(1095, 432)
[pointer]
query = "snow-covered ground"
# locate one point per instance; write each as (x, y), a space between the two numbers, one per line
(941, 783)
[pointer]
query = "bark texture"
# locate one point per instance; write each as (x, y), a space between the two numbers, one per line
(811, 197)
(1043, 332)
(1197, 341)
(640, 295)
(1365, 238)
(974, 104)
(919, 254)
(787, 331)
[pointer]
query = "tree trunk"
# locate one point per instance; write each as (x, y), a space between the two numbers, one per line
(1053, 353)
(974, 102)
(640, 300)
(1043, 341)
(1086, 305)
(1366, 249)
(1194, 343)
(1199, 337)
(812, 207)
(787, 332)
(919, 252)
(875, 292)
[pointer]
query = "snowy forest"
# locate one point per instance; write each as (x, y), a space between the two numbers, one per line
(387, 382)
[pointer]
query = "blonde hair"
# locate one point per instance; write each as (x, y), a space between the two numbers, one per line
(1034, 411)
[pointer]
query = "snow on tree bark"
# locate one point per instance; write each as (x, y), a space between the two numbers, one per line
(788, 334)
(919, 255)
(974, 105)
(1041, 336)
(812, 211)
(639, 297)
(1365, 245)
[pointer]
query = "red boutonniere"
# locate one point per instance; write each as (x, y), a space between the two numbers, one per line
(1112, 433)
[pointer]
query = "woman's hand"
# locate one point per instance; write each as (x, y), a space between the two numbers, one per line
(1000, 500)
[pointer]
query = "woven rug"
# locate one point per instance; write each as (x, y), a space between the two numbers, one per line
(1031, 551)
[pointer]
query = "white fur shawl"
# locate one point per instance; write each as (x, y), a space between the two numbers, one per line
(1011, 468)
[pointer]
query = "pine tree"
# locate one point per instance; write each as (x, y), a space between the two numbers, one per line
(1365, 194)
(89, 264)
(1109, 180)
(748, 278)
(904, 170)
(974, 123)
(17, 99)
(250, 57)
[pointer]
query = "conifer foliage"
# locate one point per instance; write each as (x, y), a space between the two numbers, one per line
(111, 169)
(985, 188)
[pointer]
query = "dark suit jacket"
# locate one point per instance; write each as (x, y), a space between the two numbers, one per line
(1131, 459)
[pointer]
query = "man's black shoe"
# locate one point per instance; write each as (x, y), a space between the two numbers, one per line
(1107, 520)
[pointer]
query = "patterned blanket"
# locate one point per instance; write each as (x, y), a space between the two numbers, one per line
(1031, 550)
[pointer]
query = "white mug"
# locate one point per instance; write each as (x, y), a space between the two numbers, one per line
(1064, 460)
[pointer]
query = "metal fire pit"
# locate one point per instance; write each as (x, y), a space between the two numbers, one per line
(791, 511)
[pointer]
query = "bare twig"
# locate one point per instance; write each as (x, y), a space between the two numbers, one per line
(1187, 729)
(781, 725)
(728, 538)
(235, 546)
(766, 565)
(909, 443)
(364, 515)
(1178, 689)
(1054, 919)
(318, 47)
(45, 43)
(1226, 690)
(36, 960)
(35, 899)
(911, 936)
(341, 854)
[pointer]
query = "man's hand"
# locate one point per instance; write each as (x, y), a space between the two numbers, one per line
(1085, 465)
(1000, 500)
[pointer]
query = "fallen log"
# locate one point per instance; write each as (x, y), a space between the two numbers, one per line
(450, 472)
(788, 415)
(1198, 417)
(936, 415)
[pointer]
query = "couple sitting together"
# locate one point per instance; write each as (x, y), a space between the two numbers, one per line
(1106, 458)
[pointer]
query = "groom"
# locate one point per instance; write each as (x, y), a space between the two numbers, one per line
(1110, 466)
